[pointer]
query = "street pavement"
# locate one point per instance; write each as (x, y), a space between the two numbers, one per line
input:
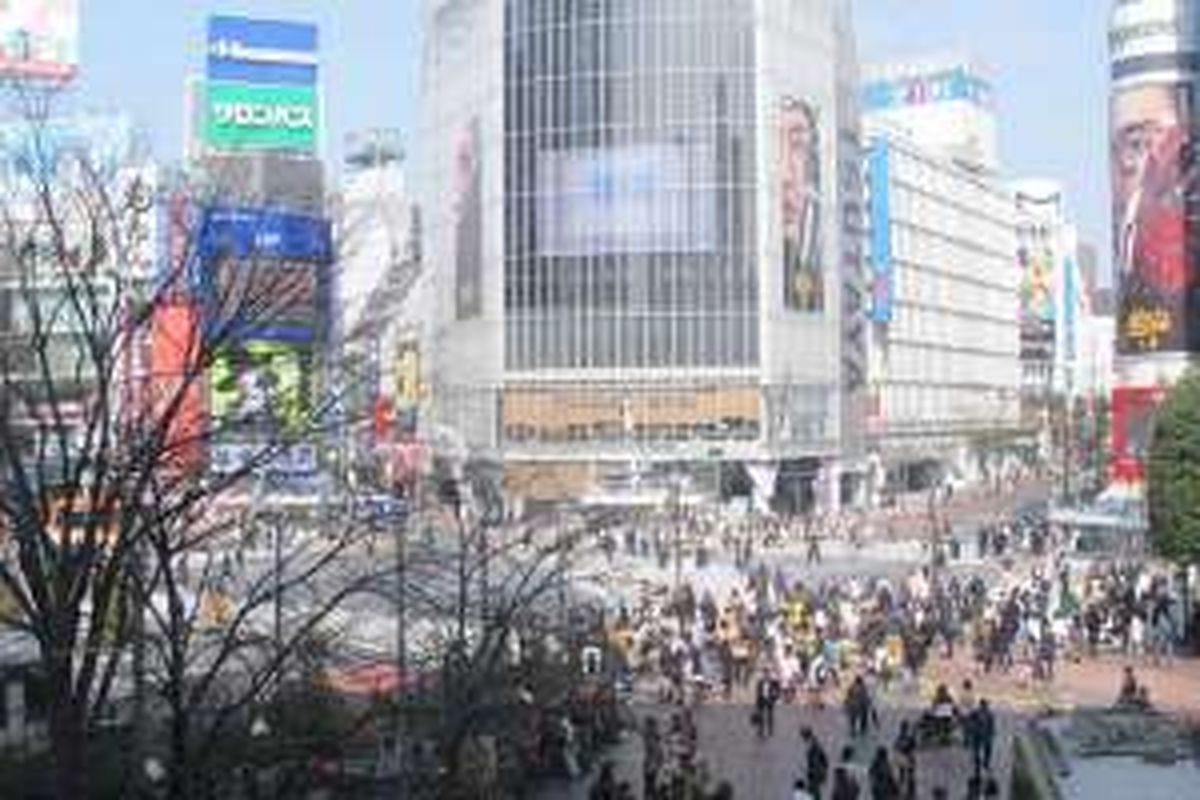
(764, 769)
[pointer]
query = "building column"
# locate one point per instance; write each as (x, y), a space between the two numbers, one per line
(829, 491)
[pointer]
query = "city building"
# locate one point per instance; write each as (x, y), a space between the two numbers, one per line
(1056, 287)
(1154, 49)
(384, 307)
(54, 173)
(645, 218)
(943, 102)
(252, 214)
(944, 369)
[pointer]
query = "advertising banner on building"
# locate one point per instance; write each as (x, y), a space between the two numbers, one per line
(1155, 183)
(800, 212)
(276, 300)
(1133, 410)
(941, 86)
(265, 272)
(270, 52)
(468, 224)
(261, 389)
(175, 395)
(239, 232)
(246, 117)
(408, 386)
(644, 198)
(1037, 287)
(295, 460)
(261, 401)
(39, 39)
(879, 186)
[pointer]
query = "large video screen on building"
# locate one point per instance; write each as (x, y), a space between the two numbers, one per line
(800, 214)
(1154, 194)
(260, 388)
(645, 198)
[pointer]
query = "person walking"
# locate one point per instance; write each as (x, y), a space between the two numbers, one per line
(652, 758)
(816, 763)
(882, 778)
(605, 787)
(844, 785)
(859, 708)
(766, 696)
(981, 737)
(906, 757)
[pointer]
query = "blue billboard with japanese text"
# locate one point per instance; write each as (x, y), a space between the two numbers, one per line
(264, 274)
(261, 51)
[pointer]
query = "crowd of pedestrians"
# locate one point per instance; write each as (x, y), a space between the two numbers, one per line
(805, 635)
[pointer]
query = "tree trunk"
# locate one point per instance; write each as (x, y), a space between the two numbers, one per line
(68, 745)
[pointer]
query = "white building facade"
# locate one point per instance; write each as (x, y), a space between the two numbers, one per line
(645, 221)
(944, 358)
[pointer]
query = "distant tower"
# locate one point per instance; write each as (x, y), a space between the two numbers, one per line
(1154, 47)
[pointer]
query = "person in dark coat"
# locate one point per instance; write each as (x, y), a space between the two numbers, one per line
(816, 763)
(859, 708)
(766, 696)
(981, 737)
(884, 785)
(844, 785)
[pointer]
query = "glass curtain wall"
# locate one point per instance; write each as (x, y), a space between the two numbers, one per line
(630, 185)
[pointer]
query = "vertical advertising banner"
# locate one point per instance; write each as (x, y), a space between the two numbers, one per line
(800, 198)
(175, 392)
(39, 39)
(408, 386)
(468, 224)
(879, 184)
(1070, 303)
(1037, 287)
(1154, 193)
(1133, 411)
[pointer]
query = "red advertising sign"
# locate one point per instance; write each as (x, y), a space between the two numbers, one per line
(176, 399)
(1133, 412)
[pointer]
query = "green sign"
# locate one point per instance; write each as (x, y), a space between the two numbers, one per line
(247, 117)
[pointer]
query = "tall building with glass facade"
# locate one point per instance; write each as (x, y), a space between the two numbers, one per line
(646, 220)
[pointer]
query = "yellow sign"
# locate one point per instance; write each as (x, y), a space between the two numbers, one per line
(1146, 327)
(408, 374)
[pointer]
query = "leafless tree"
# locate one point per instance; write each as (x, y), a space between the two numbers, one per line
(492, 600)
(106, 502)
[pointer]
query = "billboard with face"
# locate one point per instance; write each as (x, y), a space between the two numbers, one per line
(800, 213)
(1154, 194)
